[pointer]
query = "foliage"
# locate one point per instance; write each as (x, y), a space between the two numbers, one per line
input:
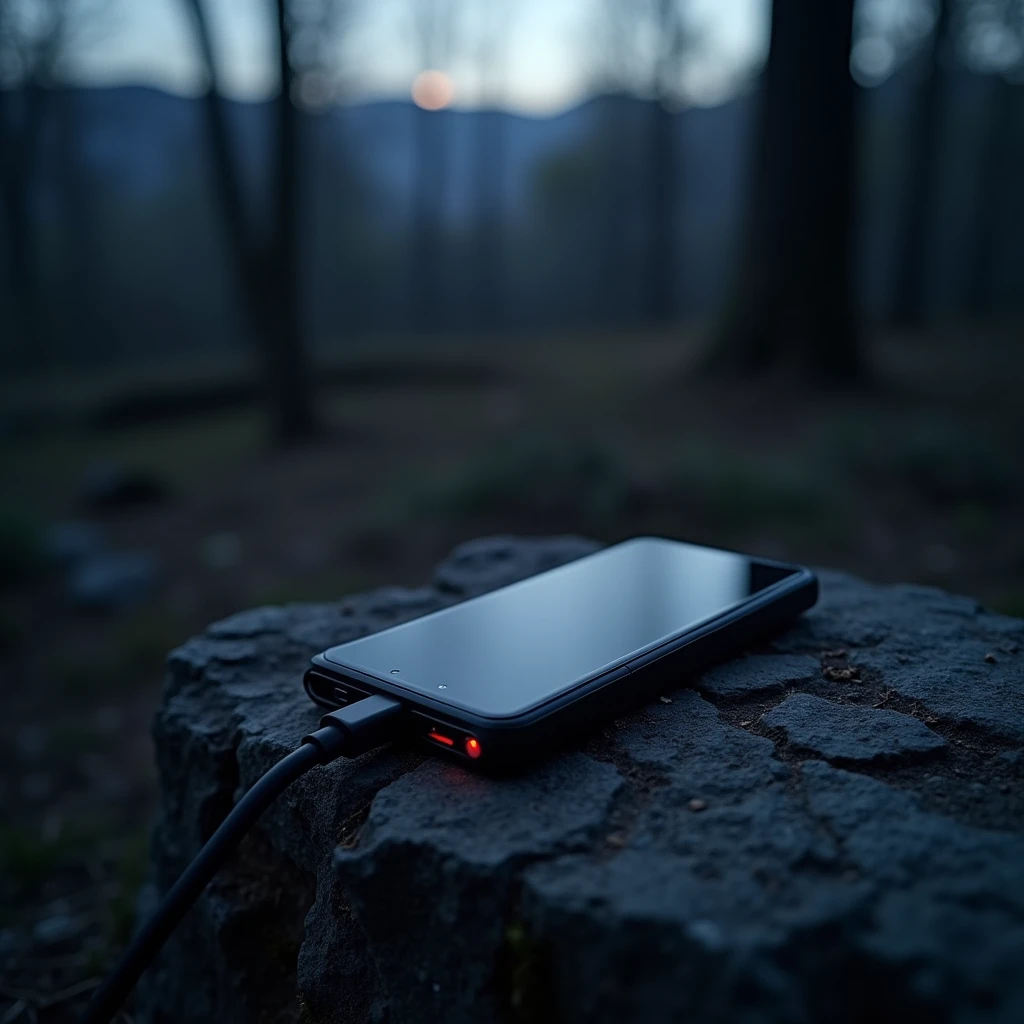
(742, 490)
(934, 460)
(22, 557)
(131, 656)
(539, 479)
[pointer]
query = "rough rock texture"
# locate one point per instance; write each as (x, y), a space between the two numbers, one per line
(758, 674)
(699, 860)
(848, 735)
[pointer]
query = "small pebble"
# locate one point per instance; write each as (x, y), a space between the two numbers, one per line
(708, 934)
(55, 929)
(841, 675)
(990, 658)
(696, 804)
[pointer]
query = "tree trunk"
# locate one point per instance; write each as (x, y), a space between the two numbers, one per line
(267, 271)
(996, 182)
(920, 195)
(490, 158)
(793, 299)
(287, 372)
(661, 269)
(83, 339)
(18, 142)
(426, 227)
(27, 348)
(614, 262)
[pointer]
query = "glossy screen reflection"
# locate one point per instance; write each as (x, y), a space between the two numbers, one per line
(510, 650)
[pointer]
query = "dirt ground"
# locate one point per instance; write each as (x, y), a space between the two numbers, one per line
(918, 478)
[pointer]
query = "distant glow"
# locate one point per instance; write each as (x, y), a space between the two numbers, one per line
(872, 60)
(990, 47)
(432, 90)
(314, 91)
(545, 63)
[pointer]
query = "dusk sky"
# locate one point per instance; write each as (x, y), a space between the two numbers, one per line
(549, 61)
(549, 53)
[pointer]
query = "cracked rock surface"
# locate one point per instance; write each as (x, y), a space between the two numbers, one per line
(848, 735)
(830, 827)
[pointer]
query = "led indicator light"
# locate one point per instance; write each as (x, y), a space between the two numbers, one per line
(473, 748)
(440, 737)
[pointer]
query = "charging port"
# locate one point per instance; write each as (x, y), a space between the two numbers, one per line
(457, 742)
(449, 736)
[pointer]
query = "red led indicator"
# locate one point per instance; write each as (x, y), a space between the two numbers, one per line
(473, 748)
(440, 737)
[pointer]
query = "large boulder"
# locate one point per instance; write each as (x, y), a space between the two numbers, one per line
(827, 828)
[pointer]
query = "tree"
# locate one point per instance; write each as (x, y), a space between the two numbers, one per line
(642, 46)
(266, 263)
(669, 40)
(433, 23)
(997, 175)
(31, 40)
(913, 242)
(493, 23)
(792, 300)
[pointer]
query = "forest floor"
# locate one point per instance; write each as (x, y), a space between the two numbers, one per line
(918, 478)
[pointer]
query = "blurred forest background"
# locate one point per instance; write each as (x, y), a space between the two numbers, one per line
(297, 294)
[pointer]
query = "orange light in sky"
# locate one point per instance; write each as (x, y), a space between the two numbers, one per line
(432, 90)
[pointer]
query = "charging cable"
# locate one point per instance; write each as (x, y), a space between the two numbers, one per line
(347, 732)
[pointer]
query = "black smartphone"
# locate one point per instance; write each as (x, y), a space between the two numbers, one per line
(502, 679)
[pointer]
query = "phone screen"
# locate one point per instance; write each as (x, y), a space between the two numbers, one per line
(510, 650)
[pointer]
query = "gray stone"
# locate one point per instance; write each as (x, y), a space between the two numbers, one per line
(481, 565)
(426, 843)
(926, 645)
(758, 674)
(113, 580)
(677, 865)
(845, 734)
(57, 928)
(68, 544)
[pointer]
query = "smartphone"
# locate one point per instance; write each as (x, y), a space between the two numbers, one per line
(502, 679)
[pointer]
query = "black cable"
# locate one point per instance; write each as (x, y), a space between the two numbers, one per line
(347, 732)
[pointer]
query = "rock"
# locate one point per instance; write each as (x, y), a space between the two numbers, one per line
(674, 867)
(847, 735)
(57, 928)
(928, 646)
(758, 674)
(68, 544)
(113, 580)
(481, 565)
